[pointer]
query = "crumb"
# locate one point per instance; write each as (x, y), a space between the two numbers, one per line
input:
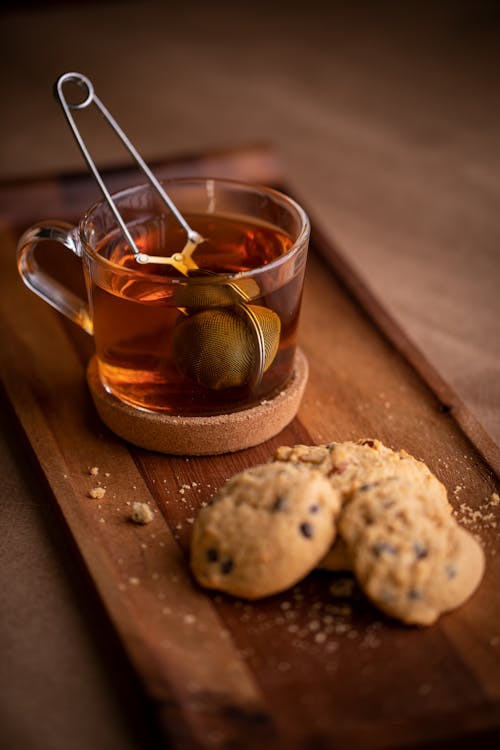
(189, 619)
(97, 493)
(94, 471)
(141, 513)
(134, 581)
(494, 498)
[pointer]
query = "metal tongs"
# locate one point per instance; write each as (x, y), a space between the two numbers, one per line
(182, 261)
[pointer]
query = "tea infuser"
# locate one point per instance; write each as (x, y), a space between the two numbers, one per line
(226, 342)
(183, 260)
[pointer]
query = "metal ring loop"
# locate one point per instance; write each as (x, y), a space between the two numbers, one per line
(83, 82)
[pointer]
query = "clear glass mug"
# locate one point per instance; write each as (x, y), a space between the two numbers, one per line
(177, 343)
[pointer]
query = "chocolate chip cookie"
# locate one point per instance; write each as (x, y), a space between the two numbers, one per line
(410, 557)
(265, 529)
(351, 465)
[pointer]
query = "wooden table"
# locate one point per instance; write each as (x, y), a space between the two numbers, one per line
(221, 672)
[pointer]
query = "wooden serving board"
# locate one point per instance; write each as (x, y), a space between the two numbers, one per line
(305, 669)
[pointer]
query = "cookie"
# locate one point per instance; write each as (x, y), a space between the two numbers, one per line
(412, 560)
(392, 500)
(350, 465)
(265, 529)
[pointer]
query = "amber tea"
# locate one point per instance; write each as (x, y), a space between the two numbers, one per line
(144, 321)
(213, 334)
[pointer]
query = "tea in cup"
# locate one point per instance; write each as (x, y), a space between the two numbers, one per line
(215, 339)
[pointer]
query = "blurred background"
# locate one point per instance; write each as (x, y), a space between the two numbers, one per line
(385, 116)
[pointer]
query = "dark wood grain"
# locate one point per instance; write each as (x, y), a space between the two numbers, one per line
(224, 673)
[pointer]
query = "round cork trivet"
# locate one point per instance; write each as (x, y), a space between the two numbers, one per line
(200, 436)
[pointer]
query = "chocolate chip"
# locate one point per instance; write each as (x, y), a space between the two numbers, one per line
(451, 571)
(387, 595)
(368, 518)
(212, 554)
(279, 504)
(381, 548)
(369, 443)
(306, 530)
(226, 566)
(414, 594)
(366, 487)
(420, 550)
(314, 509)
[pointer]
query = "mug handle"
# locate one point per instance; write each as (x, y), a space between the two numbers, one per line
(42, 283)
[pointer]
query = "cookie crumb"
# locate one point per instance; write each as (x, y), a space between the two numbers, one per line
(494, 499)
(134, 581)
(94, 471)
(97, 493)
(141, 513)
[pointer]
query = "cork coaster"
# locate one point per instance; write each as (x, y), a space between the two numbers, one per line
(199, 436)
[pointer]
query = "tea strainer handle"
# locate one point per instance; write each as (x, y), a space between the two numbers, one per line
(90, 97)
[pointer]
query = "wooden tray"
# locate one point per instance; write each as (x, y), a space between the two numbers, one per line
(300, 670)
